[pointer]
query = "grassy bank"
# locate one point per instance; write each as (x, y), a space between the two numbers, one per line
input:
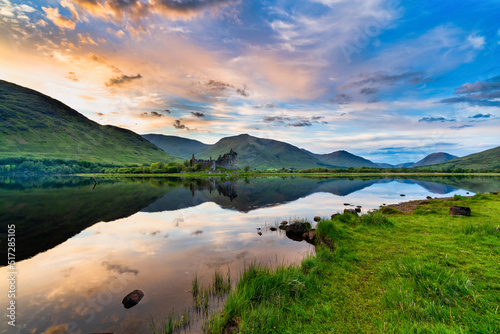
(424, 272)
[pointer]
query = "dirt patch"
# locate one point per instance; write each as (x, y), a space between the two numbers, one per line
(410, 206)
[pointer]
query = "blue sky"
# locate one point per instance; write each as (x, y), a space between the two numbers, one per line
(391, 81)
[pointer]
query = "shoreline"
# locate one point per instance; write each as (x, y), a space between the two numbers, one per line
(356, 284)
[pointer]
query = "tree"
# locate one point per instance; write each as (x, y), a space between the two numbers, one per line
(246, 169)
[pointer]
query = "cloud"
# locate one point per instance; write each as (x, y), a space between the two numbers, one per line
(383, 78)
(301, 123)
(476, 41)
(120, 269)
(59, 20)
(293, 121)
(242, 92)
(368, 90)
(152, 114)
(167, 111)
(480, 116)
(461, 127)
(122, 79)
(72, 76)
(198, 114)
(266, 106)
(179, 125)
(436, 119)
(341, 99)
(484, 93)
(217, 85)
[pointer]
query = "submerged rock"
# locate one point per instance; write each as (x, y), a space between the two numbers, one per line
(273, 229)
(309, 236)
(317, 218)
(132, 298)
(460, 211)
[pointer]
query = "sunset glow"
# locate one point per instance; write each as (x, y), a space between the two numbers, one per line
(390, 81)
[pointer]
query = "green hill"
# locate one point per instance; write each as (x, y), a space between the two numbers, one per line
(33, 125)
(344, 159)
(177, 146)
(261, 153)
(434, 158)
(489, 159)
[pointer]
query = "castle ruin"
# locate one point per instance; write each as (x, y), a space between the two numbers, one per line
(226, 161)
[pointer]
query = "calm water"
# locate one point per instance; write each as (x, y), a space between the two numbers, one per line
(81, 249)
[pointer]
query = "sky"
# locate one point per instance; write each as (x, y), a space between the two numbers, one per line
(391, 81)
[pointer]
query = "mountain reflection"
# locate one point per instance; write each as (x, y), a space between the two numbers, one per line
(48, 211)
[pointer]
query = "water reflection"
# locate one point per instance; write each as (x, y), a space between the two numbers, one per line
(155, 234)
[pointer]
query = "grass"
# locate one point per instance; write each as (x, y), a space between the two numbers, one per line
(426, 272)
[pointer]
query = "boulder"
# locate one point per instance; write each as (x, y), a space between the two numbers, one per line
(273, 229)
(357, 209)
(317, 218)
(428, 197)
(284, 222)
(350, 211)
(460, 211)
(132, 298)
(309, 236)
(297, 229)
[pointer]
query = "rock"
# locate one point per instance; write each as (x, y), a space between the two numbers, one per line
(495, 193)
(359, 206)
(428, 197)
(273, 229)
(402, 195)
(460, 211)
(346, 204)
(309, 236)
(357, 209)
(350, 211)
(297, 229)
(282, 227)
(467, 193)
(132, 298)
(334, 215)
(317, 218)
(284, 222)
(259, 233)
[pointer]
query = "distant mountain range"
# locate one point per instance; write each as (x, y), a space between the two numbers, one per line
(258, 153)
(33, 125)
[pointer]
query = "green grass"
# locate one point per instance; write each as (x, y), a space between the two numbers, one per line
(35, 126)
(428, 272)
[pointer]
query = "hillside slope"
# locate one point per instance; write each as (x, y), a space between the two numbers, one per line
(34, 125)
(489, 159)
(180, 147)
(345, 159)
(434, 158)
(261, 153)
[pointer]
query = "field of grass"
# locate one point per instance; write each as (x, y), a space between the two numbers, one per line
(425, 272)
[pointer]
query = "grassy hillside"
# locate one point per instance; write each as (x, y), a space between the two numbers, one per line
(261, 153)
(486, 160)
(434, 158)
(345, 159)
(34, 125)
(177, 146)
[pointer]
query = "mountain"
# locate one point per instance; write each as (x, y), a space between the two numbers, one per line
(344, 159)
(489, 159)
(34, 125)
(383, 165)
(404, 165)
(177, 146)
(258, 153)
(261, 153)
(434, 158)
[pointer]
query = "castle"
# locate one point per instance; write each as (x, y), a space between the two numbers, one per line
(226, 161)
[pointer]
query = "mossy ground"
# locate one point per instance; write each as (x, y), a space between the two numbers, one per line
(424, 272)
